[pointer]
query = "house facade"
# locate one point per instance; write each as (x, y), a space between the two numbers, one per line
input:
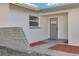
(38, 25)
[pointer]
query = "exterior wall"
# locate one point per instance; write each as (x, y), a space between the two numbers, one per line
(62, 25)
(73, 22)
(73, 27)
(19, 17)
(15, 16)
(4, 14)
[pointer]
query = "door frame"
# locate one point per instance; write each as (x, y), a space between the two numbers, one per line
(49, 18)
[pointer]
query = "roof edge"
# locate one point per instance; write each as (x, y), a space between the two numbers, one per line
(26, 6)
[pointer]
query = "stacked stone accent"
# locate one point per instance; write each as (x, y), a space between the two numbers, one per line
(13, 42)
(13, 37)
(10, 52)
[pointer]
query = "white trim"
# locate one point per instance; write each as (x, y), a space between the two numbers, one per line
(54, 12)
(49, 24)
(39, 21)
(48, 27)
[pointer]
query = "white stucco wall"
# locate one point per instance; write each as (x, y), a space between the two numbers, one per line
(73, 26)
(15, 16)
(19, 17)
(62, 25)
(4, 14)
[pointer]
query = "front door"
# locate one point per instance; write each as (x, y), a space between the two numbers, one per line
(53, 28)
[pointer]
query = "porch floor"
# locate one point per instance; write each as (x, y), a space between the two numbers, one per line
(44, 48)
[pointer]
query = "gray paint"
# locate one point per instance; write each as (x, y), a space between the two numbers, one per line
(53, 28)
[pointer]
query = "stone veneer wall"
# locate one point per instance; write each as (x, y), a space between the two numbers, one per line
(13, 37)
(13, 42)
(10, 52)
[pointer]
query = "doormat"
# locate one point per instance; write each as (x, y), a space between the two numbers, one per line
(37, 43)
(65, 48)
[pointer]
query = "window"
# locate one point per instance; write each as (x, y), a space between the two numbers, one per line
(33, 22)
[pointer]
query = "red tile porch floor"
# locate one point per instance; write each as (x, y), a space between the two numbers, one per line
(65, 48)
(37, 43)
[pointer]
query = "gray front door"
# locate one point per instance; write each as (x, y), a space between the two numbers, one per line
(53, 28)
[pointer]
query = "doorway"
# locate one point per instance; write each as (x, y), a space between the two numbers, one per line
(53, 28)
